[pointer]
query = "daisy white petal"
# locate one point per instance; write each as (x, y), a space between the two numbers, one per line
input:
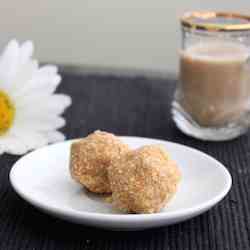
(9, 62)
(61, 99)
(48, 69)
(40, 124)
(55, 136)
(12, 145)
(56, 103)
(10, 55)
(33, 140)
(47, 85)
(26, 51)
(21, 80)
(2, 149)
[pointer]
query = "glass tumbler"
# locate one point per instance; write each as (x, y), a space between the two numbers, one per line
(212, 98)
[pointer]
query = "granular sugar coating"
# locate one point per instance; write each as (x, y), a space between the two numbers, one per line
(90, 158)
(143, 180)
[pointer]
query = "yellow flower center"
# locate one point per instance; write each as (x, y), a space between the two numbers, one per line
(7, 113)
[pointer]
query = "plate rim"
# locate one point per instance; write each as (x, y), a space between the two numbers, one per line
(173, 215)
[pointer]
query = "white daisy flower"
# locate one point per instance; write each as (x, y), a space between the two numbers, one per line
(30, 112)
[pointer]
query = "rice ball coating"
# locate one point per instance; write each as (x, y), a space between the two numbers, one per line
(143, 180)
(90, 158)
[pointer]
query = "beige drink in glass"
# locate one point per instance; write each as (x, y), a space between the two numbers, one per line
(212, 98)
(215, 82)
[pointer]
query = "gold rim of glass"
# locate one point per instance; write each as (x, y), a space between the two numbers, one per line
(188, 20)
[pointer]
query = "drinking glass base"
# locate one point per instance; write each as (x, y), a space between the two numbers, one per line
(189, 127)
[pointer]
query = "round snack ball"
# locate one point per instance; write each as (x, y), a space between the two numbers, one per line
(143, 180)
(90, 158)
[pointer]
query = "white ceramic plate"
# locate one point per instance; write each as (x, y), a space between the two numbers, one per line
(42, 178)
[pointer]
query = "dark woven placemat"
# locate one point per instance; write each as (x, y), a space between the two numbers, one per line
(141, 107)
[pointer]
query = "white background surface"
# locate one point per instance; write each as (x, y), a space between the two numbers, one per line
(141, 34)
